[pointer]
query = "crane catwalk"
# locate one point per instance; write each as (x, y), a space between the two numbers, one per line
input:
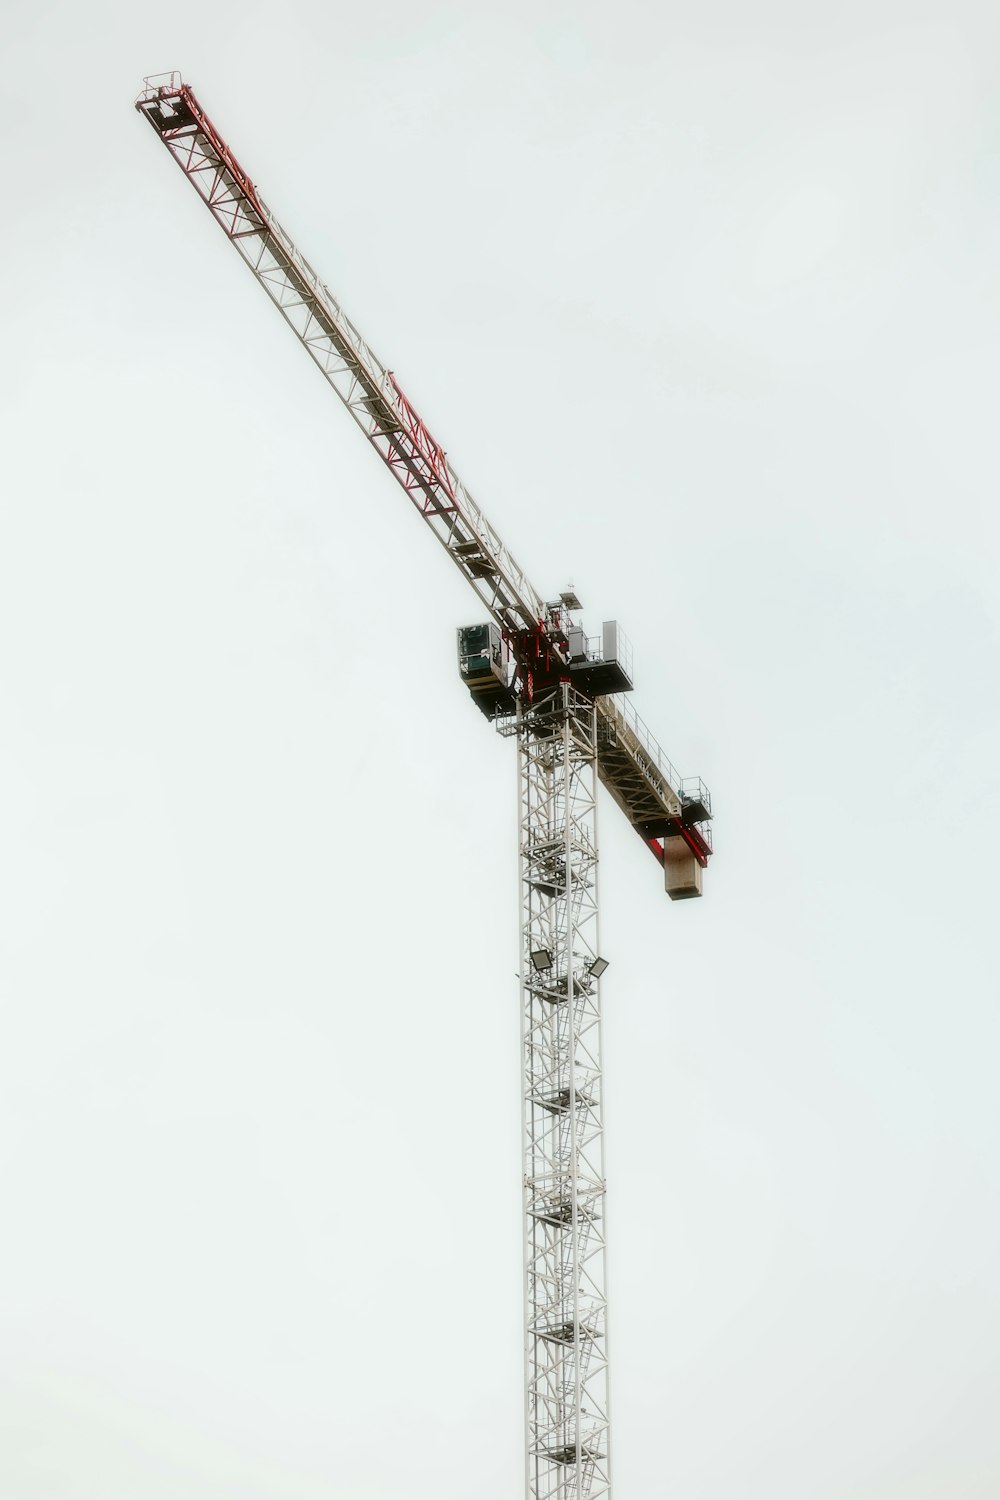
(558, 694)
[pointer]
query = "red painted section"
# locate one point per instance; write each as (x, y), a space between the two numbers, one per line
(232, 165)
(428, 448)
(698, 844)
(201, 119)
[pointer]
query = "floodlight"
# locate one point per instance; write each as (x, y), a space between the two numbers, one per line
(541, 958)
(597, 967)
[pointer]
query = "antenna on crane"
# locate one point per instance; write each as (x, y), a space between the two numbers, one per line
(533, 671)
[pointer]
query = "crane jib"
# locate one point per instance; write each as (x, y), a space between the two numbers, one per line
(368, 389)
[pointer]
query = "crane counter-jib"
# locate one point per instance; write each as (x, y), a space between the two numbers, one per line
(656, 800)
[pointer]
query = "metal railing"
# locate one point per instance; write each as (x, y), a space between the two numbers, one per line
(157, 83)
(685, 788)
(593, 646)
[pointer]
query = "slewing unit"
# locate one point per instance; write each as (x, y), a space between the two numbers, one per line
(669, 812)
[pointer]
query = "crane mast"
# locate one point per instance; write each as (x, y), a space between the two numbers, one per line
(531, 669)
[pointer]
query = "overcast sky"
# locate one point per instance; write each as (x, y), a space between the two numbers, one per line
(702, 302)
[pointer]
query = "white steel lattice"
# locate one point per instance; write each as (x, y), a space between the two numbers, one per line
(566, 742)
(568, 1454)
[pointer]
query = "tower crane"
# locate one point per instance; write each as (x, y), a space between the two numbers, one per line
(560, 695)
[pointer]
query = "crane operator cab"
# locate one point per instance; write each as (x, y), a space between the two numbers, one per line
(485, 667)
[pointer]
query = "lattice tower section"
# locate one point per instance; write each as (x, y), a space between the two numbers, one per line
(566, 1338)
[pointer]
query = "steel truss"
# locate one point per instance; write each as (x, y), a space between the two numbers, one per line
(566, 1336)
(367, 388)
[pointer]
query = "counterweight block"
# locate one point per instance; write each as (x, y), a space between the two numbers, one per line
(681, 870)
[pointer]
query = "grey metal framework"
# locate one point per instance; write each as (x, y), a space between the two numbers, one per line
(566, 1328)
(567, 739)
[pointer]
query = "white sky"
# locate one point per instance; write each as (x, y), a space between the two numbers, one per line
(703, 303)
